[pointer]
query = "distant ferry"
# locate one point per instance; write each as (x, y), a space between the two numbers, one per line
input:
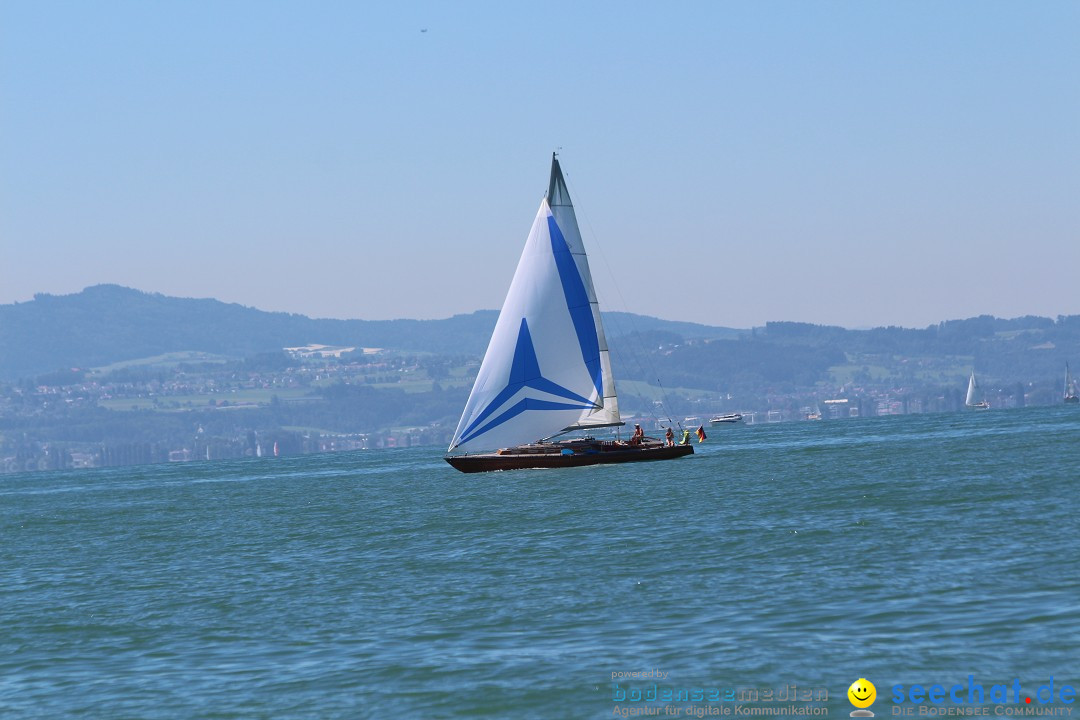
(729, 419)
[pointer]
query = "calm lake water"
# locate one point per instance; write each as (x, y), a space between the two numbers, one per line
(906, 550)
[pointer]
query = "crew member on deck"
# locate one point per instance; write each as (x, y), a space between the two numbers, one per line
(639, 435)
(670, 436)
(685, 437)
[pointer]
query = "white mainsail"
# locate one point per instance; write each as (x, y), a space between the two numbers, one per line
(972, 392)
(1070, 385)
(547, 366)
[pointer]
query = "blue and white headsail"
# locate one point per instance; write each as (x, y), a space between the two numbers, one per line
(547, 367)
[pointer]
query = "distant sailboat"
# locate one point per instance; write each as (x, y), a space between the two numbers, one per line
(547, 369)
(974, 395)
(1071, 394)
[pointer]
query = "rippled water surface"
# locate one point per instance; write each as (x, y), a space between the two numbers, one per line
(916, 549)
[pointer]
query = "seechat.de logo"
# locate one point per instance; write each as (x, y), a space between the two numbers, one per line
(862, 694)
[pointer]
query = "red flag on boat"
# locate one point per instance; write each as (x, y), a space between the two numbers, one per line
(701, 433)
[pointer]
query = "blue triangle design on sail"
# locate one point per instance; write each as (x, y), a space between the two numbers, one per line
(577, 302)
(524, 373)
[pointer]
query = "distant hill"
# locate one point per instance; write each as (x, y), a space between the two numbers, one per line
(785, 356)
(106, 324)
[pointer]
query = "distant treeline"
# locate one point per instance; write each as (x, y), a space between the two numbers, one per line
(339, 408)
(786, 356)
(107, 324)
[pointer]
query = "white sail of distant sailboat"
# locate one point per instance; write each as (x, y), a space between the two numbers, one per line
(1071, 393)
(547, 368)
(974, 395)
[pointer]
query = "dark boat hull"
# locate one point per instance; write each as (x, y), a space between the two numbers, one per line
(563, 455)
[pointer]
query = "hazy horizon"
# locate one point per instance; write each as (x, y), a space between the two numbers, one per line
(495, 310)
(857, 165)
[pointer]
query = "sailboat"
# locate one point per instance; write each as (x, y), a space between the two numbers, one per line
(1071, 394)
(974, 399)
(547, 370)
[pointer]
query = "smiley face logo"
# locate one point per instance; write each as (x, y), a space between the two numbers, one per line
(862, 694)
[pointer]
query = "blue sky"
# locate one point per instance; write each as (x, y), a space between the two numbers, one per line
(856, 164)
